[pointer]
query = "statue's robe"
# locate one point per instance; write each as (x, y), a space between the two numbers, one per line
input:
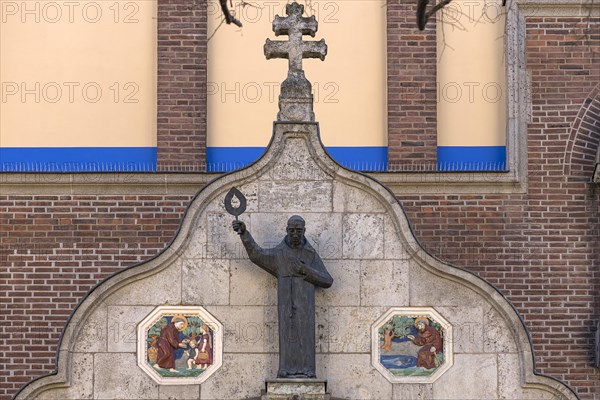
(167, 344)
(295, 300)
(429, 338)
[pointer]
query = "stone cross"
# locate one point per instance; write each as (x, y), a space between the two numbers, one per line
(295, 49)
(295, 100)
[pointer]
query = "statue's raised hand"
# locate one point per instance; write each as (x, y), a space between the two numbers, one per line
(239, 227)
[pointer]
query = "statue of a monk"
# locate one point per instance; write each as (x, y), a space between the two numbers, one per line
(298, 269)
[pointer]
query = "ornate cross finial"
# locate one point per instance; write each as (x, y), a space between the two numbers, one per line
(295, 49)
(295, 100)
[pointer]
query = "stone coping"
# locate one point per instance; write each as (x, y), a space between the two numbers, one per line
(173, 183)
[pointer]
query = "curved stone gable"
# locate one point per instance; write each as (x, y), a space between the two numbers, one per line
(364, 239)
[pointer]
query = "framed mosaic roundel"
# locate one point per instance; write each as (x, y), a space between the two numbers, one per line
(411, 345)
(179, 345)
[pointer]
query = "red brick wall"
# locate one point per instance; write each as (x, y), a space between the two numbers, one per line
(181, 85)
(53, 249)
(412, 111)
(540, 248)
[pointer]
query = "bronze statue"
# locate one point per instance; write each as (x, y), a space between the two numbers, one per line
(298, 269)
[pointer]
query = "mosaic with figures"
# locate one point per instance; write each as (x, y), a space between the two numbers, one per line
(412, 344)
(179, 344)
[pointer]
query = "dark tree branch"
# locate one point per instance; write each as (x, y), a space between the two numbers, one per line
(228, 17)
(423, 15)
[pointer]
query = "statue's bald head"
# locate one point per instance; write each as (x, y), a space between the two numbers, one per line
(295, 230)
(296, 220)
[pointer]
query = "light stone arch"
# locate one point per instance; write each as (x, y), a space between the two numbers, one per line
(375, 260)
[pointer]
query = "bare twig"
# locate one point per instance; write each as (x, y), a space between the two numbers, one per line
(244, 4)
(445, 44)
(215, 31)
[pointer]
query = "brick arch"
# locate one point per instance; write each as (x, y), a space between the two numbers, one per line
(598, 155)
(584, 138)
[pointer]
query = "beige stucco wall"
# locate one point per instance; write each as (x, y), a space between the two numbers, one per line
(66, 52)
(78, 73)
(471, 74)
(243, 87)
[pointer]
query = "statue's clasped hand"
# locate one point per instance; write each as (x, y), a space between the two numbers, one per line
(300, 267)
(239, 227)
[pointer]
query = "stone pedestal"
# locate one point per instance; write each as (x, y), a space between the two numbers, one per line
(296, 389)
(296, 99)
